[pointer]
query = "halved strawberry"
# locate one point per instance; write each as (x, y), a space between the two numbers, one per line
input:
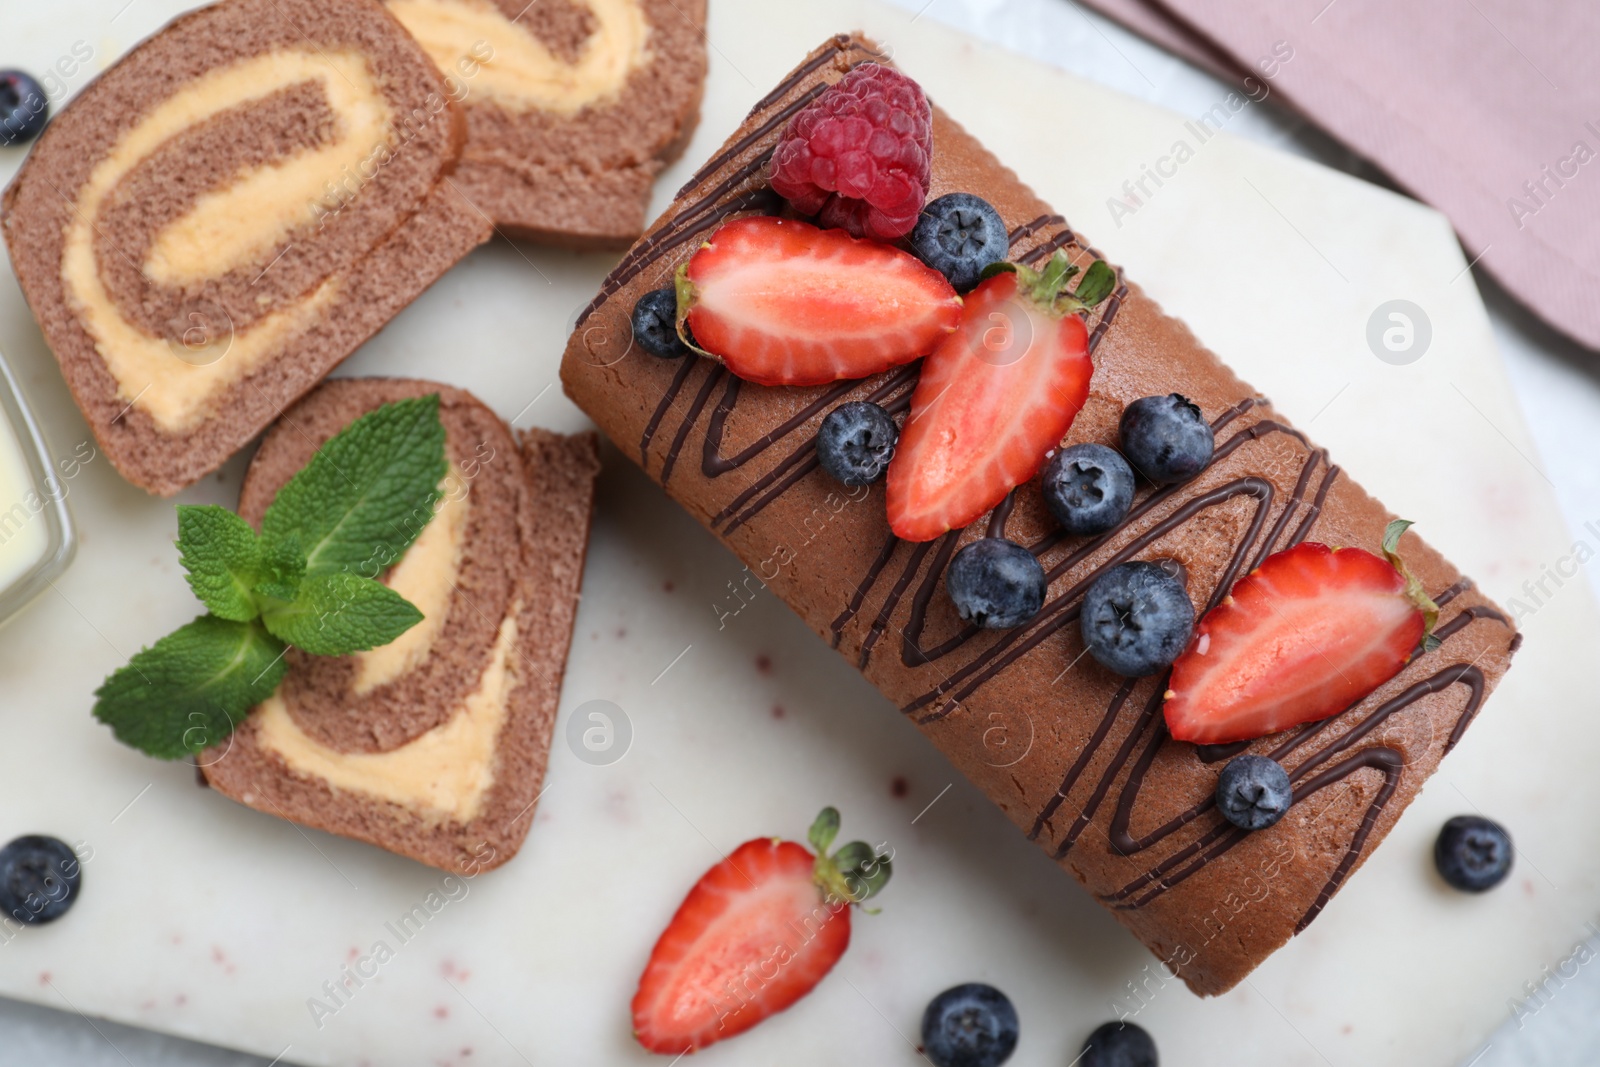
(754, 935)
(784, 303)
(1303, 636)
(995, 397)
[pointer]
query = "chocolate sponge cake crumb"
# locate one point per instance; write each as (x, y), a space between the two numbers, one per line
(528, 507)
(180, 345)
(577, 178)
(1077, 757)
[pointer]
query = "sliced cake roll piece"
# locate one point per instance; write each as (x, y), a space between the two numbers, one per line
(573, 106)
(228, 212)
(433, 746)
(1080, 758)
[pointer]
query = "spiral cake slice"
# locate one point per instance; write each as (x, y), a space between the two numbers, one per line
(1078, 757)
(228, 212)
(572, 106)
(435, 745)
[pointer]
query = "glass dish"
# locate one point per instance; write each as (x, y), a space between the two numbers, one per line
(36, 536)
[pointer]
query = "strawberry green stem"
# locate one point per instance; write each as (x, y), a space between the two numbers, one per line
(685, 291)
(852, 874)
(1048, 287)
(1415, 591)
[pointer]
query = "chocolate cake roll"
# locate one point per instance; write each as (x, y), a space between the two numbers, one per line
(1078, 757)
(573, 106)
(433, 746)
(228, 212)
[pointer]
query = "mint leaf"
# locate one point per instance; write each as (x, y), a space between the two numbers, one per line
(191, 688)
(336, 614)
(367, 493)
(282, 567)
(219, 551)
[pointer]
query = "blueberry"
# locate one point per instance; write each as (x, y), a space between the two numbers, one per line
(972, 1025)
(1253, 792)
(996, 583)
(24, 108)
(1088, 488)
(1473, 853)
(856, 442)
(1136, 619)
(655, 324)
(1119, 1044)
(958, 235)
(1166, 438)
(39, 879)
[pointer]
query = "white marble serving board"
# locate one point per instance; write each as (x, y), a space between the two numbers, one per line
(202, 918)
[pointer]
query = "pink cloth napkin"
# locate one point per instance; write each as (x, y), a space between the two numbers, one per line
(1487, 109)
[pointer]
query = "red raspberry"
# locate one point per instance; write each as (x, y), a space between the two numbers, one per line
(858, 156)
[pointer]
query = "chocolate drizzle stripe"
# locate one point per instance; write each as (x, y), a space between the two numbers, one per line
(773, 484)
(1152, 709)
(1028, 229)
(1391, 764)
(1002, 512)
(689, 419)
(1084, 756)
(667, 398)
(862, 588)
(924, 595)
(881, 623)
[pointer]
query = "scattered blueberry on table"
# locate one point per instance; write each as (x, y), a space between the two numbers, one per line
(655, 324)
(40, 878)
(1473, 854)
(996, 583)
(856, 442)
(24, 107)
(1166, 438)
(1136, 619)
(1119, 1044)
(1253, 792)
(959, 235)
(1088, 488)
(971, 1025)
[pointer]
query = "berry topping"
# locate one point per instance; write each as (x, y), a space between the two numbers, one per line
(40, 878)
(1136, 618)
(1166, 438)
(959, 235)
(995, 397)
(996, 583)
(1304, 636)
(756, 933)
(784, 303)
(655, 324)
(858, 157)
(1088, 488)
(972, 1025)
(855, 442)
(1253, 792)
(1472, 853)
(1119, 1044)
(24, 107)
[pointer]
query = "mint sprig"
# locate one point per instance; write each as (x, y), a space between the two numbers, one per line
(308, 580)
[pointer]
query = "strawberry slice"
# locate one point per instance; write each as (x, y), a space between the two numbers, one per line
(995, 397)
(784, 303)
(754, 935)
(1303, 636)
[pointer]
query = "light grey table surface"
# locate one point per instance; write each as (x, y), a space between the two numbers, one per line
(1556, 381)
